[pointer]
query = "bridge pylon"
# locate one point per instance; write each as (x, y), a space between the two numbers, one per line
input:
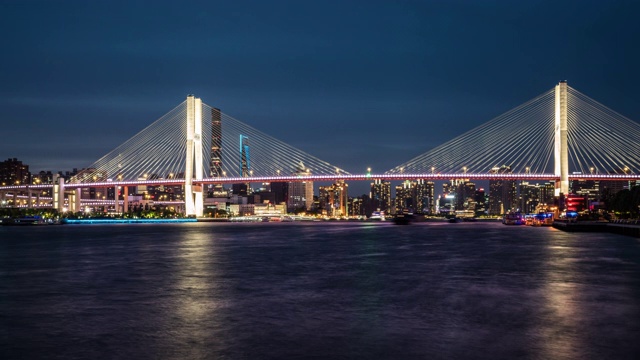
(561, 153)
(194, 202)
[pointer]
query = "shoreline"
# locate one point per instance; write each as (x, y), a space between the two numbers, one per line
(595, 226)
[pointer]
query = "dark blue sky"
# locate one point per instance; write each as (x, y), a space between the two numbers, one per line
(355, 83)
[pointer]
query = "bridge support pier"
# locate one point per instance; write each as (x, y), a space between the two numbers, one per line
(561, 154)
(29, 199)
(125, 201)
(193, 199)
(58, 195)
(116, 205)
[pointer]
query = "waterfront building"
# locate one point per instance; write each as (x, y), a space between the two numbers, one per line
(356, 206)
(586, 188)
(547, 193)
(424, 193)
(333, 200)
(380, 196)
(465, 195)
(300, 194)
(458, 195)
(481, 202)
(415, 196)
(404, 200)
(14, 172)
(608, 188)
(529, 197)
(280, 191)
(502, 193)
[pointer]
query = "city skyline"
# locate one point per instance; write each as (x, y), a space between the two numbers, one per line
(383, 82)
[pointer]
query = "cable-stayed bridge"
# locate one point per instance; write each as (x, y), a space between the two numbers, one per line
(559, 135)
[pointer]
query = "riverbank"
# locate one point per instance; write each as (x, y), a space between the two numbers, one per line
(622, 228)
(126, 221)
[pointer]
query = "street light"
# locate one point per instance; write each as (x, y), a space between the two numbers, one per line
(433, 169)
(591, 169)
(464, 169)
(526, 170)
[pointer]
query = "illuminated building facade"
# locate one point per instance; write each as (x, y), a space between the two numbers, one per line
(415, 196)
(334, 200)
(381, 196)
(215, 167)
(502, 193)
(14, 172)
(300, 192)
(245, 162)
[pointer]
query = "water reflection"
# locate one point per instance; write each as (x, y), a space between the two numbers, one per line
(563, 290)
(193, 299)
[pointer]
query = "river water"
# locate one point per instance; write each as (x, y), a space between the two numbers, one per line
(317, 291)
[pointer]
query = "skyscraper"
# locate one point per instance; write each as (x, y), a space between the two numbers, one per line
(424, 197)
(14, 172)
(245, 164)
(215, 167)
(334, 199)
(381, 195)
(300, 192)
(502, 193)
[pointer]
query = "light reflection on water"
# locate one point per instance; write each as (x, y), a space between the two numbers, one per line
(327, 290)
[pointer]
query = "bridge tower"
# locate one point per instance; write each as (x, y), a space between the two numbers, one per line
(561, 156)
(193, 198)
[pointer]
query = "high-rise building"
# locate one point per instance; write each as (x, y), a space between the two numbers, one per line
(356, 205)
(415, 196)
(245, 163)
(333, 200)
(590, 189)
(481, 202)
(547, 193)
(458, 195)
(404, 200)
(280, 191)
(529, 198)
(300, 192)
(425, 196)
(608, 188)
(14, 172)
(215, 167)
(465, 195)
(502, 193)
(381, 195)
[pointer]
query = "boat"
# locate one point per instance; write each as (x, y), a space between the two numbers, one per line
(544, 219)
(513, 218)
(26, 220)
(403, 218)
(377, 216)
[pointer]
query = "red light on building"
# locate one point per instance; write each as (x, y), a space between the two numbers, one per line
(575, 203)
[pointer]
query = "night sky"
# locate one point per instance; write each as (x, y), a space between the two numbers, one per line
(355, 83)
